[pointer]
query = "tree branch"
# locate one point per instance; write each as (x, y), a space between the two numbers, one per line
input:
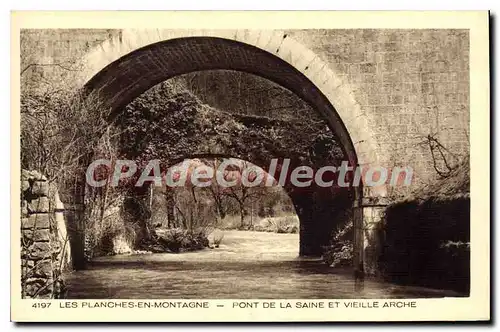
(60, 65)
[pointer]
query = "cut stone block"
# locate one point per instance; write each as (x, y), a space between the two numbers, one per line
(25, 185)
(39, 250)
(24, 208)
(39, 235)
(38, 221)
(40, 188)
(42, 269)
(39, 205)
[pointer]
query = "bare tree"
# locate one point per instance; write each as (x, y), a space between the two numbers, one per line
(241, 193)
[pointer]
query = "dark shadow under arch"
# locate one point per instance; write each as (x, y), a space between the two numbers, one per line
(128, 77)
(320, 210)
(123, 80)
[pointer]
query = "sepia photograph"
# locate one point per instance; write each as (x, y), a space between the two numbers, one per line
(183, 165)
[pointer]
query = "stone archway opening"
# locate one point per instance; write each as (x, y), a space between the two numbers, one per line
(216, 209)
(119, 83)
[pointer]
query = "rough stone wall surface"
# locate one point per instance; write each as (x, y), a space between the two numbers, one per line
(414, 82)
(44, 249)
(409, 84)
(61, 46)
(50, 57)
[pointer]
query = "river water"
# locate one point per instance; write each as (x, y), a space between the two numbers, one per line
(247, 264)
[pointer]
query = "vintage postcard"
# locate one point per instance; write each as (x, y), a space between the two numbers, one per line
(250, 166)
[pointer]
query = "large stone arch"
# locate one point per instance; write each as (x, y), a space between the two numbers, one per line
(133, 61)
(273, 43)
(320, 210)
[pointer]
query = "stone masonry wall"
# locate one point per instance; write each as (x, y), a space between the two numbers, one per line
(44, 249)
(61, 46)
(412, 83)
(409, 84)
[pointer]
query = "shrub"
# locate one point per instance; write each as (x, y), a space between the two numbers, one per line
(178, 239)
(287, 224)
(172, 239)
(339, 252)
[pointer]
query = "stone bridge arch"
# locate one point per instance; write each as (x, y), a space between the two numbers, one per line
(320, 210)
(133, 61)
